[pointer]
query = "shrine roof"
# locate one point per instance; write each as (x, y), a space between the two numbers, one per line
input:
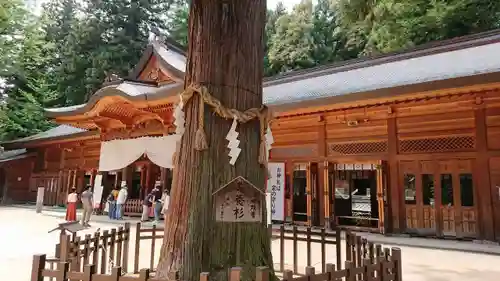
(132, 91)
(11, 155)
(61, 131)
(443, 60)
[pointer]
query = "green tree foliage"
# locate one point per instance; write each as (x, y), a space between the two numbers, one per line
(380, 26)
(27, 92)
(61, 57)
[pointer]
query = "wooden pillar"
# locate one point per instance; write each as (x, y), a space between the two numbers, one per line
(118, 179)
(322, 189)
(92, 177)
(395, 206)
(309, 193)
(289, 167)
(145, 171)
(485, 191)
(325, 193)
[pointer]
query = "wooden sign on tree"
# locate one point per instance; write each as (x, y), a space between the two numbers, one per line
(238, 201)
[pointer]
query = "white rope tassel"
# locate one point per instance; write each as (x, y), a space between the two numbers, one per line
(180, 120)
(232, 137)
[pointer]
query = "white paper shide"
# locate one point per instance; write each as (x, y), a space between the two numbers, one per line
(276, 191)
(269, 140)
(232, 137)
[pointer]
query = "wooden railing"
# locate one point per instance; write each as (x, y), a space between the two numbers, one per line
(309, 236)
(107, 249)
(384, 269)
(155, 235)
(363, 259)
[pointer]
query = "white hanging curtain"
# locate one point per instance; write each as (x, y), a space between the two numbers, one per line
(118, 154)
(160, 150)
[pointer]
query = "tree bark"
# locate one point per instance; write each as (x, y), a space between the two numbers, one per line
(225, 54)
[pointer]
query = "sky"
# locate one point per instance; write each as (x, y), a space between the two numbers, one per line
(288, 3)
(270, 3)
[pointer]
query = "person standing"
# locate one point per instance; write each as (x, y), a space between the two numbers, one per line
(165, 199)
(88, 205)
(71, 202)
(157, 203)
(111, 200)
(146, 204)
(120, 201)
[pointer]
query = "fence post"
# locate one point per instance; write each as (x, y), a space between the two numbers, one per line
(323, 250)
(235, 274)
(137, 245)
(75, 259)
(287, 275)
(396, 255)
(358, 254)
(308, 243)
(62, 268)
(119, 246)
(261, 273)
(64, 248)
(349, 275)
(295, 262)
(282, 247)
(126, 244)
(95, 243)
(204, 276)
(37, 267)
(116, 273)
(88, 271)
(153, 247)
(309, 271)
(330, 269)
(104, 244)
(348, 246)
(144, 275)
(338, 244)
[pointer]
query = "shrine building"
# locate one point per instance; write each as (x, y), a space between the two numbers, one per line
(407, 142)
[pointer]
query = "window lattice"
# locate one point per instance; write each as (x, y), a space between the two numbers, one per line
(358, 148)
(437, 144)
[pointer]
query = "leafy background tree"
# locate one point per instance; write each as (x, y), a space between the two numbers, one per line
(61, 55)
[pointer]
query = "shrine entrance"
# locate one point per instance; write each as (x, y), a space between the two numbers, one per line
(357, 195)
(439, 197)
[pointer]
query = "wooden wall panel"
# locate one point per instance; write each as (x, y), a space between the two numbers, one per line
(18, 180)
(493, 127)
(440, 132)
(495, 197)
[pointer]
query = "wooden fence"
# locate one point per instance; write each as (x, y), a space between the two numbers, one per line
(153, 234)
(310, 236)
(363, 259)
(105, 250)
(385, 268)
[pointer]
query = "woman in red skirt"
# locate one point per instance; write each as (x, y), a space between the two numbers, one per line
(71, 207)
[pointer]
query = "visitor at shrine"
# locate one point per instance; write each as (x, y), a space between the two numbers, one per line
(157, 202)
(111, 205)
(88, 205)
(147, 203)
(71, 205)
(120, 201)
(165, 199)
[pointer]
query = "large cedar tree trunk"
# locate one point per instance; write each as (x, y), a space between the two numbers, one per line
(225, 54)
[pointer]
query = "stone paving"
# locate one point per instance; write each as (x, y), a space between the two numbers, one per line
(24, 233)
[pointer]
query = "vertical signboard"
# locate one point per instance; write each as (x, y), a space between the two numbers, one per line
(98, 189)
(276, 191)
